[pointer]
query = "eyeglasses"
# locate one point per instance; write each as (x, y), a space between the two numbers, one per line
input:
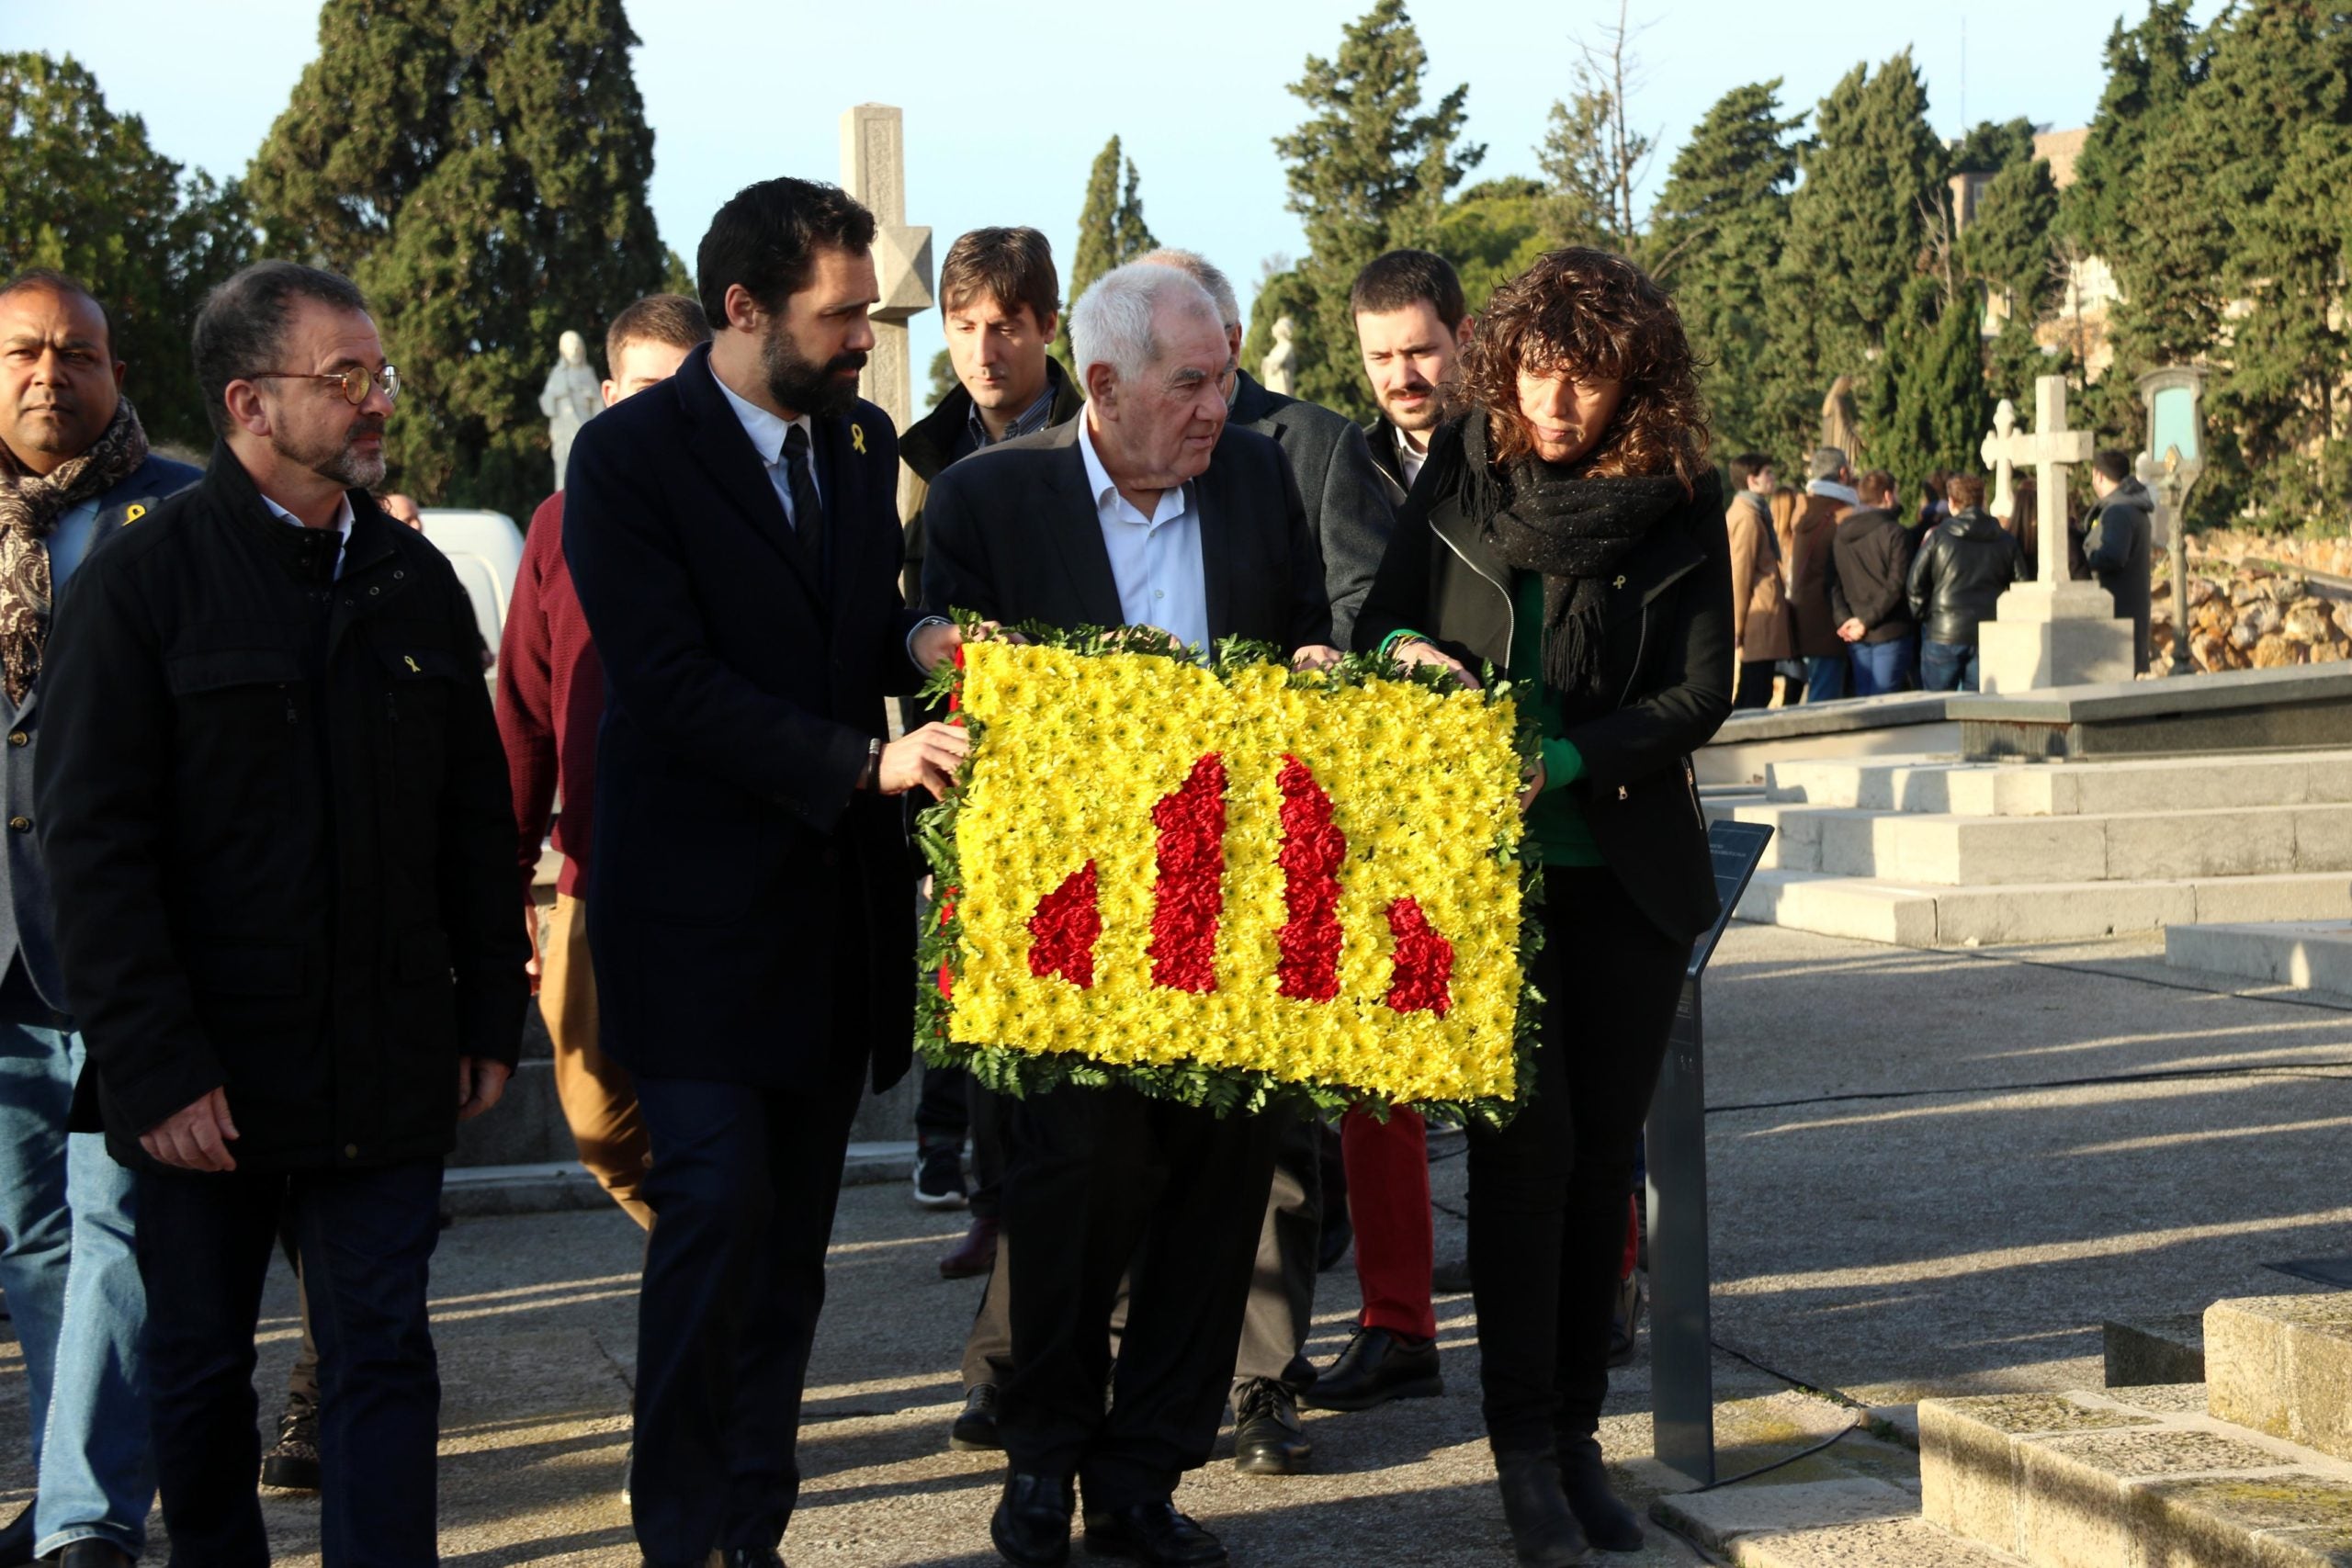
(353, 383)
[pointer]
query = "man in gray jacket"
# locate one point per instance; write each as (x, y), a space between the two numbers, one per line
(2118, 543)
(1351, 508)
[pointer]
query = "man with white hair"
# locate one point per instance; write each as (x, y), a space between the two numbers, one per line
(1151, 509)
(1352, 507)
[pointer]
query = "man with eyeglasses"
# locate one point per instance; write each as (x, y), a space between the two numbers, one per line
(278, 829)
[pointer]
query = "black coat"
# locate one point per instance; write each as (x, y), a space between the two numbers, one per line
(1668, 655)
(276, 817)
(1963, 566)
(1350, 505)
(1870, 560)
(2118, 546)
(748, 905)
(932, 441)
(1015, 536)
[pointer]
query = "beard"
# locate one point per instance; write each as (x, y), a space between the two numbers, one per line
(804, 386)
(1431, 413)
(337, 458)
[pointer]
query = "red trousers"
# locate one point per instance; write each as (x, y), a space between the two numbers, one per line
(1388, 1203)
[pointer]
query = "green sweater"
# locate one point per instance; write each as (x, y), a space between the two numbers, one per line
(1555, 821)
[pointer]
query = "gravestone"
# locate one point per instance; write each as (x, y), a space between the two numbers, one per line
(2052, 631)
(874, 170)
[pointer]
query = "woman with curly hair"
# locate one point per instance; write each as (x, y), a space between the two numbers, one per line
(1569, 530)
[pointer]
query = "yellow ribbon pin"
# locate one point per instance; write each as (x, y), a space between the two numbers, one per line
(133, 513)
(857, 439)
(410, 659)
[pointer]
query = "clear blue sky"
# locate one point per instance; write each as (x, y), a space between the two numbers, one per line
(1006, 106)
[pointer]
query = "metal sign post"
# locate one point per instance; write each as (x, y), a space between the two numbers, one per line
(1682, 1384)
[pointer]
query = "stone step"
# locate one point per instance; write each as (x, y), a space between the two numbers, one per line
(1922, 915)
(1849, 1521)
(1942, 786)
(1876, 1543)
(2129, 1478)
(2282, 1366)
(2310, 955)
(2166, 1348)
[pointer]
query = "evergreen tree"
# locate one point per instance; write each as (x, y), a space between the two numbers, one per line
(2150, 70)
(1929, 406)
(82, 191)
(1988, 147)
(1873, 192)
(2007, 246)
(1111, 232)
(1367, 164)
(1494, 231)
(479, 168)
(1715, 241)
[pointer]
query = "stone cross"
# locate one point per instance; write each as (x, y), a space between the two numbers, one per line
(874, 170)
(2051, 450)
(2005, 425)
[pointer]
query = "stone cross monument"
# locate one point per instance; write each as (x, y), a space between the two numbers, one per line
(874, 170)
(2052, 631)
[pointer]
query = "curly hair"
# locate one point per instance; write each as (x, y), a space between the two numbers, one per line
(1593, 314)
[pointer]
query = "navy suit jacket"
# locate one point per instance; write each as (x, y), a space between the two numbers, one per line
(748, 907)
(28, 921)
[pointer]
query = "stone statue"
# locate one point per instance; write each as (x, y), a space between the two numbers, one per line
(1838, 426)
(1274, 370)
(571, 399)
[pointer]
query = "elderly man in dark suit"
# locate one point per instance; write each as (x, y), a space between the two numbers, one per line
(1150, 508)
(734, 539)
(1352, 509)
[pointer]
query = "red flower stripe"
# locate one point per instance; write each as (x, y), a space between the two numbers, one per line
(1424, 960)
(1066, 925)
(1313, 851)
(1189, 894)
(946, 912)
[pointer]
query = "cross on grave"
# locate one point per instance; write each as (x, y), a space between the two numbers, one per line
(2049, 450)
(874, 170)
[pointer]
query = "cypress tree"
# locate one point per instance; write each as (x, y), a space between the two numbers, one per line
(1367, 168)
(1928, 402)
(82, 191)
(1714, 243)
(1111, 232)
(479, 168)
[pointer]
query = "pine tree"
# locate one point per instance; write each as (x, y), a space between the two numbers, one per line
(82, 191)
(1874, 191)
(1111, 232)
(1365, 163)
(479, 168)
(1714, 242)
(2007, 246)
(1929, 406)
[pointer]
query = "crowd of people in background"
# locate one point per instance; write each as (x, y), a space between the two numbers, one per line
(1841, 591)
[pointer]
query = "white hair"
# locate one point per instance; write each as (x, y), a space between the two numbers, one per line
(1203, 271)
(1114, 322)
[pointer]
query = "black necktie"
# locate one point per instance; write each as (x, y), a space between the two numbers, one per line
(808, 511)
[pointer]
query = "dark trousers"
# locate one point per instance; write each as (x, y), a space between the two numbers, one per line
(1882, 667)
(1547, 1193)
(1948, 667)
(1281, 1309)
(1101, 1180)
(941, 1110)
(1755, 684)
(365, 1238)
(744, 1186)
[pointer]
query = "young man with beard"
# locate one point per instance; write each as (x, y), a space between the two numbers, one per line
(278, 833)
(733, 535)
(1411, 327)
(74, 468)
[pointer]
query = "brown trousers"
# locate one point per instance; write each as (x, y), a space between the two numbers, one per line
(599, 1103)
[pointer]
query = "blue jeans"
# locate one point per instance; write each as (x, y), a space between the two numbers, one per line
(367, 1238)
(1882, 667)
(1824, 679)
(68, 1264)
(1947, 665)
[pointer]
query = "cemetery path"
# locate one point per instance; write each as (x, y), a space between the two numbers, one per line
(1968, 1230)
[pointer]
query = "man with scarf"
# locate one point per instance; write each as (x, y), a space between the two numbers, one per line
(73, 466)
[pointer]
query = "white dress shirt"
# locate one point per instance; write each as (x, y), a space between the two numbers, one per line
(1407, 458)
(342, 524)
(1155, 560)
(766, 431)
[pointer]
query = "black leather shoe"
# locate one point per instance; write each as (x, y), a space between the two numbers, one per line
(1376, 1367)
(1607, 1523)
(292, 1464)
(1032, 1524)
(1543, 1532)
(16, 1540)
(91, 1553)
(1154, 1533)
(975, 1426)
(1267, 1438)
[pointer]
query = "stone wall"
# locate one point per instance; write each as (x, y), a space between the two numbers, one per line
(2253, 604)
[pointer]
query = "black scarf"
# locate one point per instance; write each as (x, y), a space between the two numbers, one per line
(1574, 530)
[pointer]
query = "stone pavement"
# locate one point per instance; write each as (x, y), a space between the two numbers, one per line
(1922, 1183)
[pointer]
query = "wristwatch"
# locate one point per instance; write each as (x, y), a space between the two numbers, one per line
(872, 777)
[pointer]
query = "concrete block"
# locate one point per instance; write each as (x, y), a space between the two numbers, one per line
(2031, 655)
(2189, 784)
(1879, 1543)
(2256, 842)
(2321, 896)
(1971, 1468)
(2060, 912)
(2330, 778)
(2282, 1365)
(1716, 1519)
(2079, 1505)
(2166, 1351)
(2265, 1521)
(2324, 838)
(2316, 955)
(1998, 851)
(1836, 906)
(1796, 830)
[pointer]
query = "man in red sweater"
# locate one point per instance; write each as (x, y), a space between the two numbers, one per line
(550, 695)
